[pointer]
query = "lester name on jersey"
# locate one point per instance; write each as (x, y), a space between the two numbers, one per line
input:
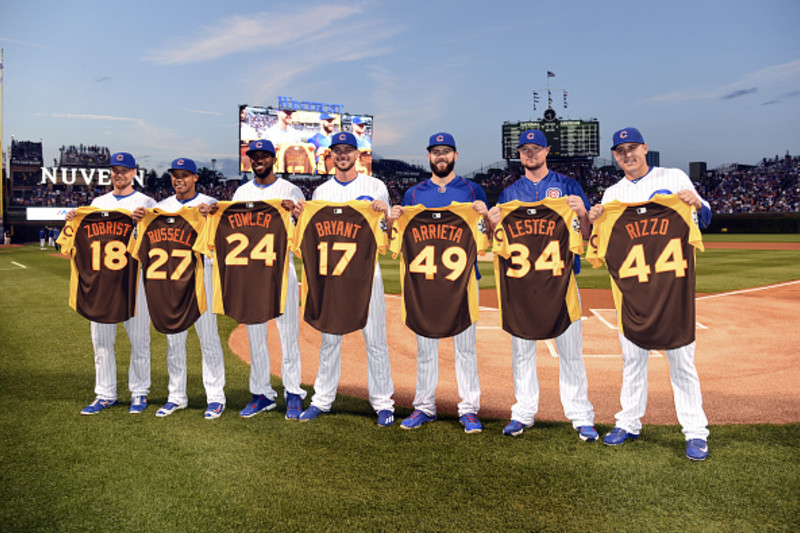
(439, 247)
(339, 244)
(649, 249)
(173, 279)
(103, 276)
(534, 246)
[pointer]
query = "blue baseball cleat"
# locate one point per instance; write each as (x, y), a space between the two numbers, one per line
(416, 419)
(617, 436)
(97, 405)
(257, 404)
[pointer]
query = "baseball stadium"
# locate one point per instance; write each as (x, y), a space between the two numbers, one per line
(318, 337)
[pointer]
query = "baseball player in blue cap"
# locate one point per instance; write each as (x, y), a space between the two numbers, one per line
(539, 183)
(640, 184)
(322, 139)
(440, 190)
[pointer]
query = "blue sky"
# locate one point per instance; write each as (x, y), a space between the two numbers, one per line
(704, 81)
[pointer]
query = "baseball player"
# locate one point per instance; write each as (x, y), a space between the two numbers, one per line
(640, 184)
(321, 141)
(183, 173)
(440, 190)
(346, 185)
(267, 186)
(109, 257)
(537, 185)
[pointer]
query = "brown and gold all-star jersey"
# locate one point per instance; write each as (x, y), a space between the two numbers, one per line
(103, 275)
(534, 247)
(339, 244)
(649, 249)
(173, 271)
(250, 241)
(439, 247)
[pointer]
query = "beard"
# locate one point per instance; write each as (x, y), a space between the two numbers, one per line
(448, 168)
(533, 166)
(266, 172)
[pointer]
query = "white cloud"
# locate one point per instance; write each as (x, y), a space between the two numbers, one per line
(87, 116)
(201, 112)
(23, 43)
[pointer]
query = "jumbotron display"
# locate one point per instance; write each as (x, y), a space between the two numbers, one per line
(302, 138)
(566, 138)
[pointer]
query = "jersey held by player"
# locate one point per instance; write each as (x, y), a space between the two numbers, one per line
(250, 241)
(534, 246)
(173, 271)
(339, 244)
(103, 275)
(649, 249)
(439, 247)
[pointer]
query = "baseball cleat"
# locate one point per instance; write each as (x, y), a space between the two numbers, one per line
(97, 405)
(385, 418)
(617, 436)
(515, 428)
(471, 423)
(169, 408)
(587, 433)
(214, 411)
(257, 404)
(294, 406)
(310, 414)
(696, 449)
(416, 419)
(138, 404)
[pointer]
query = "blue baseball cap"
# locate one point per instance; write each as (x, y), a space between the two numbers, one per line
(532, 137)
(344, 137)
(627, 135)
(185, 164)
(261, 145)
(442, 139)
(326, 116)
(122, 159)
(359, 120)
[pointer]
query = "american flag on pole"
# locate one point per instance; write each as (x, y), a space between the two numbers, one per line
(550, 74)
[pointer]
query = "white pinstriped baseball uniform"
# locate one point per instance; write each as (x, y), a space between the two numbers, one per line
(138, 327)
(683, 374)
(379, 373)
(206, 328)
(288, 323)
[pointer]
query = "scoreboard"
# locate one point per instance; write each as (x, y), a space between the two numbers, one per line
(566, 138)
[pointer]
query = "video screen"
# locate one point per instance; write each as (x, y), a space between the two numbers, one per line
(302, 138)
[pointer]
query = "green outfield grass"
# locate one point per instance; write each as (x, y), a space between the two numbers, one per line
(119, 472)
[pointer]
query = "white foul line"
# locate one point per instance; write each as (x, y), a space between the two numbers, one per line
(743, 291)
(19, 265)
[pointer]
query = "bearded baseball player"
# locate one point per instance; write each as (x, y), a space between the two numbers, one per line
(540, 183)
(267, 186)
(124, 197)
(183, 173)
(440, 190)
(345, 185)
(640, 184)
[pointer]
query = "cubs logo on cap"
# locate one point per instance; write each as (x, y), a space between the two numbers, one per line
(261, 145)
(442, 139)
(184, 163)
(532, 137)
(627, 135)
(123, 159)
(344, 137)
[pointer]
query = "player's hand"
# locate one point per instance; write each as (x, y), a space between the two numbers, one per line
(298, 209)
(576, 204)
(493, 217)
(595, 212)
(207, 209)
(380, 205)
(690, 197)
(70, 214)
(396, 212)
(138, 214)
(480, 207)
(288, 205)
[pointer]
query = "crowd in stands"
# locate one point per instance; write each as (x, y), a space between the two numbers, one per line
(771, 186)
(85, 156)
(26, 153)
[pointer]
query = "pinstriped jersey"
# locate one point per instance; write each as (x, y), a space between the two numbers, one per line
(649, 249)
(173, 271)
(534, 249)
(103, 276)
(250, 241)
(439, 247)
(339, 244)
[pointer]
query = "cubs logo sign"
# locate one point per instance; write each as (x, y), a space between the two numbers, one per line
(553, 193)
